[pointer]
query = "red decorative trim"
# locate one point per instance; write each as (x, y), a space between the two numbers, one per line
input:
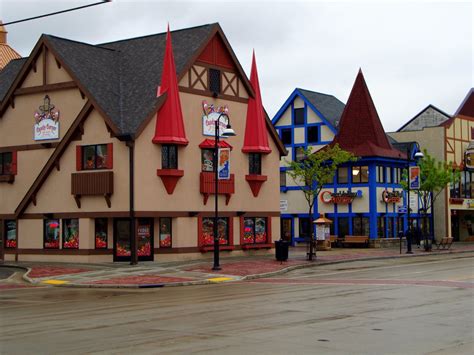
(456, 201)
(170, 178)
(257, 246)
(207, 186)
(255, 182)
(221, 248)
(110, 156)
(78, 158)
(210, 144)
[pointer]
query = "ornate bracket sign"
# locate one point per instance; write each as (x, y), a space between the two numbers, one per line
(210, 116)
(391, 196)
(341, 197)
(46, 121)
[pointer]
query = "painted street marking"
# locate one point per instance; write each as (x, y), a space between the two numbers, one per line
(220, 279)
(55, 282)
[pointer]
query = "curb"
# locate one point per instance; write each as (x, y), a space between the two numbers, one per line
(235, 278)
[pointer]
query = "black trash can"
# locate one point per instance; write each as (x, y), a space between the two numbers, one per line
(281, 250)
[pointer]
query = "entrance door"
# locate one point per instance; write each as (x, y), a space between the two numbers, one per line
(144, 234)
(285, 230)
(455, 228)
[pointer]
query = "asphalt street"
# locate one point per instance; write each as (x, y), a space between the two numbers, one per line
(395, 306)
(5, 273)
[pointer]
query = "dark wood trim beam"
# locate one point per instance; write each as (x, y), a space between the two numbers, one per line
(46, 88)
(210, 94)
(19, 148)
(45, 58)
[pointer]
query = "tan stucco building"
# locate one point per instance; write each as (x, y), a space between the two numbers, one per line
(79, 170)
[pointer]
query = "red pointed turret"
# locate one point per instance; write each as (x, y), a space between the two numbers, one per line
(256, 135)
(169, 119)
(360, 130)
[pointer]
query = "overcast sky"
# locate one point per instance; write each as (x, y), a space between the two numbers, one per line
(412, 53)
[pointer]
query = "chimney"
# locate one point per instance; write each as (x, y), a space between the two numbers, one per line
(3, 34)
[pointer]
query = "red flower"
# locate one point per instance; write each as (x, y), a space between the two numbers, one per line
(145, 250)
(165, 243)
(100, 243)
(11, 243)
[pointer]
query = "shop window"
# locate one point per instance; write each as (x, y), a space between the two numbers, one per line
(380, 174)
(360, 174)
(208, 231)
(255, 163)
(144, 237)
(389, 175)
(298, 116)
(51, 234)
(390, 227)
(10, 234)
(207, 159)
(215, 81)
(282, 178)
(255, 230)
(398, 226)
(299, 154)
(286, 135)
(313, 134)
(360, 226)
(304, 225)
(101, 233)
(455, 190)
(165, 232)
(466, 184)
(169, 156)
(397, 175)
(71, 233)
(380, 227)
(98, 156)
(8, 163)
(343, 175)
(342, 226)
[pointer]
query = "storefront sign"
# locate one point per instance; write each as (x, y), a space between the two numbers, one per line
(414, 174)
(391, 196)
(341, 197)
(46, 121)
(283, 205)
(223, 167)
(469, 156)
(210, 116)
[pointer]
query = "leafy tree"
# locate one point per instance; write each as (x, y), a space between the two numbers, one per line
(312, 171)
(434, 177)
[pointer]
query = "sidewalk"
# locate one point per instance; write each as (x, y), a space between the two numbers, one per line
(156, 274)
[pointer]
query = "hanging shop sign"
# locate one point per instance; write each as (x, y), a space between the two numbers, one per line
(469, 156)
(414, 175)
(341, 197)
(46, 121)
(210, 115)
(223, 168)
(391, 196)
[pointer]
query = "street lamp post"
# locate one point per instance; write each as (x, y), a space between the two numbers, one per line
(418, 155)
(228, 132)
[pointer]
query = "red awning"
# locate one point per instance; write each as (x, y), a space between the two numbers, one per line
(210, 144)
(169, 119)
(256, 135)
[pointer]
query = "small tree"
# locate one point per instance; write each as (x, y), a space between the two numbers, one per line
(314, 170)
(434, 177)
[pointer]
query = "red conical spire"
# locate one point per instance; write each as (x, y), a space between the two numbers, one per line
(360, 130)
(169, 119)
(256, 139)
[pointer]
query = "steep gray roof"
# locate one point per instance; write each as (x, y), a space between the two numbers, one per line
(8, 75)
(330, 106)
(121, 76)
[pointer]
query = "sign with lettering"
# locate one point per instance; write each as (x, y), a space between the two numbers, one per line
(210, 115)
(391, 196)
(223, 168)
(46, 121)
(283, 205)
(340, 197)
(414, 177)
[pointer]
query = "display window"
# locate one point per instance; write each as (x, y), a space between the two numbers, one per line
(122, 239)
(342, 226)
(304, 223)
(101, 233)
(71, 233)
(165, 232)
(51, 234)
(380, 227)
(94, 157)
(360, 226)
(144, 237)
(208, 231)
(10, 234)
(255, 230)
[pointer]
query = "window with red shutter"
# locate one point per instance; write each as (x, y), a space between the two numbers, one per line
(94, 157)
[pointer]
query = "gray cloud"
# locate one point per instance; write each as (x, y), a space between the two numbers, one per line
(412, 53)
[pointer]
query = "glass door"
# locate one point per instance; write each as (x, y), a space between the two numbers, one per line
(122, 239)
(286, 231)
(145, 239)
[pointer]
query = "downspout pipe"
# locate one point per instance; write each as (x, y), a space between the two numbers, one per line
(130, 142)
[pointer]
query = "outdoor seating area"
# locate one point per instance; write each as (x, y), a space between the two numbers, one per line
(444, 243)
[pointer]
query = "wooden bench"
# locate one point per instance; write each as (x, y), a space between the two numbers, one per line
(335, 240)
(356, 240)
(444, 243)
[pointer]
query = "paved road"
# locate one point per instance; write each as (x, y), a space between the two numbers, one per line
(398, 306)
(5, 273)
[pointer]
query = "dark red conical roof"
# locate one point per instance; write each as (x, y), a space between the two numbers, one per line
(360, 129)
(256, 135)
(169, 119)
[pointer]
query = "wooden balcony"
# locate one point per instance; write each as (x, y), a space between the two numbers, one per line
(96, 183)
(208, 183)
